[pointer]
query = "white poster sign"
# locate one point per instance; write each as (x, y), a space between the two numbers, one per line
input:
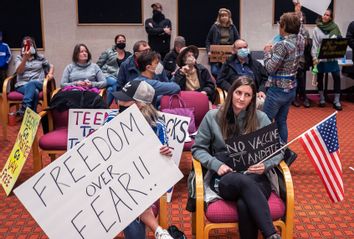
(103, 183)
(83, 122)
(318, 6)
(177, 132)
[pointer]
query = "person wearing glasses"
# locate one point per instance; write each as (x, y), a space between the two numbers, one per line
(129, 70)
(110, 61)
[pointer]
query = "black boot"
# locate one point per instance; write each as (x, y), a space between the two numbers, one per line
(289, 156)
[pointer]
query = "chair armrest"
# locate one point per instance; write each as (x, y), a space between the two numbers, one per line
(221, 95)
(289, 216)
(48, 87)
(6, 83)
(199, 188)
(163, 211)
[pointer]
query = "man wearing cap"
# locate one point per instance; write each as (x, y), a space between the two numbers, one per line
(239, 64)
(158, 29)
(128, 70)
(5, 57)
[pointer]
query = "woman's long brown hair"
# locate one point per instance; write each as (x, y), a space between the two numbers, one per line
(228, 120)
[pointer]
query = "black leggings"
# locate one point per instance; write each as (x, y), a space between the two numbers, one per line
(336, 81)
(251, 193)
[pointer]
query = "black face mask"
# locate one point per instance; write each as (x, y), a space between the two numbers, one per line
(157, 16)
(122, 108)
(120, 45)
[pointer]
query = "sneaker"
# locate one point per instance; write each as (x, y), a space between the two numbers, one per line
(296, 103)
(337, 106)
(20, 112)
(162, 234)
(307, 103)
(274, 236)
(322, 104)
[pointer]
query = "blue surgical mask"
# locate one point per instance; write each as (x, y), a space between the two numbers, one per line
(243, 52)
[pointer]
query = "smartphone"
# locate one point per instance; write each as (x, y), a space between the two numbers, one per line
(27, 45)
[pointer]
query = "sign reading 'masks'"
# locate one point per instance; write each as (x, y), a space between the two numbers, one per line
(249, 149)
(103, 183)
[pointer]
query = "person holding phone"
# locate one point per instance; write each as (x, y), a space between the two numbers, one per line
(31, 70)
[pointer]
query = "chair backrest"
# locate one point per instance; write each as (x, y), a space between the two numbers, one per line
(60, 119)
(192, 99)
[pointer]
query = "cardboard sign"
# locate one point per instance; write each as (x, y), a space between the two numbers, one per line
(333, 48)
(83, 122)
(20, 151)
(220, 53)
(177, 132)
(249, 149)
(103, 183)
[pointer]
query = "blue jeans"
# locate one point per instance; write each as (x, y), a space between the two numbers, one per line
(30, 93)
(276, 106)
(215, 69)
(135, 230)
(112, 85)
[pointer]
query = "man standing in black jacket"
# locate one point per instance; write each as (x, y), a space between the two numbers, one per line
(242, 64)
(159, 30)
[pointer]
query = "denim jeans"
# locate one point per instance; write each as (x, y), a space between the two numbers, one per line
(276, 106)
(135, 230)
(112, 85)
(215, 69)
(30, 93)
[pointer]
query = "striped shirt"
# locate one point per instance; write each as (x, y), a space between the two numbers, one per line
(283, 60)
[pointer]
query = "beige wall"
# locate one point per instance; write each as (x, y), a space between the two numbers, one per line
(61, 31)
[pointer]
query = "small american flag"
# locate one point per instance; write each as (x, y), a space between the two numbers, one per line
(321, 145)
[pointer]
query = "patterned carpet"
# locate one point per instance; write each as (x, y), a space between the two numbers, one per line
(315, 215)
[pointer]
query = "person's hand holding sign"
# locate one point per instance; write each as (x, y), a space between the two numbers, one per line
(165, 150)
(224, 169)
(256, 168)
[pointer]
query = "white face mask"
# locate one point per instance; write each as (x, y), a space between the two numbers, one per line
(159, 69)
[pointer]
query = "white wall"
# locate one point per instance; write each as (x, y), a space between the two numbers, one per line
(61, 31)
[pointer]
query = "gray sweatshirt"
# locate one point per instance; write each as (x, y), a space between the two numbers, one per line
(35, 69)
(79, 72)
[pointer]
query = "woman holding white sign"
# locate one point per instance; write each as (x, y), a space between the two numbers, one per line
(250, 192)
(142, 94)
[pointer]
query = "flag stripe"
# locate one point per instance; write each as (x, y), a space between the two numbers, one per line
(313, 155)
(321, 145)
(326, 159)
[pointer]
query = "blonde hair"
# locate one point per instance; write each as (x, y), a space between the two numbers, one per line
(149, 112)
(221, 11)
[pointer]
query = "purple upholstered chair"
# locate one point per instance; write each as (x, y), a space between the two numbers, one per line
(223, 214)
(11, 97)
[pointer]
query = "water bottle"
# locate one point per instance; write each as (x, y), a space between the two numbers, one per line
(344, 59)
